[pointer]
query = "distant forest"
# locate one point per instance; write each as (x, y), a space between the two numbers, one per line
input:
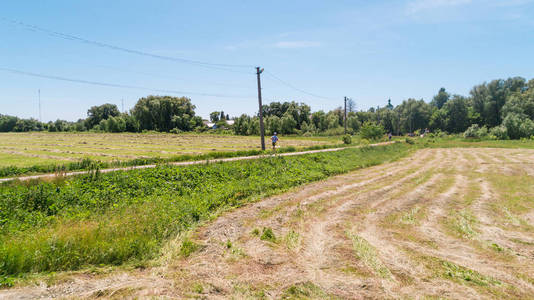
(502, 109)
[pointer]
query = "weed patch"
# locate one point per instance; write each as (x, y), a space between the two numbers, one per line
(268, 235)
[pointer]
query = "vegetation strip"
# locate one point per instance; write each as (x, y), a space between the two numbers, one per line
(187, 163)
(126, 216)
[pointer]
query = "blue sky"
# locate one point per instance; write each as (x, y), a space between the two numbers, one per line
(367, 50)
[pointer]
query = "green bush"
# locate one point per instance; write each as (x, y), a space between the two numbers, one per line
(518, 126)
(347, 139)
(372, 131)
(476, 132)
(499, 132)
(268, 235)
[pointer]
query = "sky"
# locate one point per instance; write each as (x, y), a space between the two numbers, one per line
(315, 52)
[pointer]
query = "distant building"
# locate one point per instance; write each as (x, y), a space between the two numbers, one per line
(389, 106)
(212, 125)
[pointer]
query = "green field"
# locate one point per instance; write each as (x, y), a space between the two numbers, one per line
(29, 149)
(127, 216)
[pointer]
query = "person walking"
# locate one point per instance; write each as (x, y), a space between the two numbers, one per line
(389, 136)
(274, 139)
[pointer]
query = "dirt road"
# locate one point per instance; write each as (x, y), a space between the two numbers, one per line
(452, 223)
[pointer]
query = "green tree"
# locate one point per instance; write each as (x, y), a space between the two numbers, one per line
(372, 131)
(163, 113)
(215, 117)
(241, 124)
(457, 114)
(489, 98)
(98, 113)
(273, 124)
(440, 99)
(288, 123)
(318, 120)
(413, 115)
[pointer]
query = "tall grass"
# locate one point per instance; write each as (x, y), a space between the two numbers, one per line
(126, 216)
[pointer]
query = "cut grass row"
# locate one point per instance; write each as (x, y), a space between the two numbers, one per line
(127, 216)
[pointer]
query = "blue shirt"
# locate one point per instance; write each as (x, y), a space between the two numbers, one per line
(274, 138)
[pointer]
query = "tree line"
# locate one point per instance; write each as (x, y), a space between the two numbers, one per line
(502, 108)
(158, 113)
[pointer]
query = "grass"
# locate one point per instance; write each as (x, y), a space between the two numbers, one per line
(127, 216)
(368, 255)
(268, 235)
(305, 290)
(485, 284)
(463, 224)
(44, 152)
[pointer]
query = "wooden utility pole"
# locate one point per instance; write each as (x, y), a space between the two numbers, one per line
(262, 130)
(345, 116)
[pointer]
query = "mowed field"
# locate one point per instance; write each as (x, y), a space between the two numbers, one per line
(452, 223)
(29, 149)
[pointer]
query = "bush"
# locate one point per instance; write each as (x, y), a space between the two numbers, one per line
(410, 141)
(518, 126)
(476, 132)
(347, 139)
(372, 131)
(499, 132)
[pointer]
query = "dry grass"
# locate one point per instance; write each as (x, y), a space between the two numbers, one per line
(35, 148)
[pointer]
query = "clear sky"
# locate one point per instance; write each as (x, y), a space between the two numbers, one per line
(367, 50)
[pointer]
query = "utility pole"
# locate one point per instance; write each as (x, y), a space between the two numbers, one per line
(262, 130)
(40, 117)
(122, 102)
(345, 116)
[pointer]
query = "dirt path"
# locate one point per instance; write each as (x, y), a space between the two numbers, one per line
(435, 224)
(184, 163)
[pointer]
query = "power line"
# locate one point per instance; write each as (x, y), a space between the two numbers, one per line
(218, 66)
(295, 88)
(117, 85)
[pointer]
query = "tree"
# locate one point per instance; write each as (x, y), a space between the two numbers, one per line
(521, 103)
(457, 114)
(274, 124)
(353, 123)
(440, 99)
(489, 98)
(518, 126)
(371, 131)
(318, 120)
(163, 113)
(215, 117)
(7, 123)
(414, 114)
(388, 119)
(98, 113)
(241, 124)
(288, 123)
(223, 116)
(438, 120)
(254, 126)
